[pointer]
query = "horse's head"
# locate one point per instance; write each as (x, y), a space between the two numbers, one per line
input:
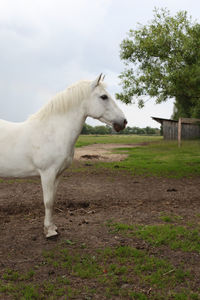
(103, 107)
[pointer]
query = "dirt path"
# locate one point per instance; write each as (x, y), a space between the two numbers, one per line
(102, 152)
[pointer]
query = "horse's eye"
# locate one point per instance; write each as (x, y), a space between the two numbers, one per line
(104, 97)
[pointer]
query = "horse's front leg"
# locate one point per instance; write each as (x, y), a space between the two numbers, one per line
(49, 186)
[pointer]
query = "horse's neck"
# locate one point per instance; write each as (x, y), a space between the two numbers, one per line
(67, 126)
(74, 124)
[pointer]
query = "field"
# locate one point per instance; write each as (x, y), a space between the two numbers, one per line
(129, 229)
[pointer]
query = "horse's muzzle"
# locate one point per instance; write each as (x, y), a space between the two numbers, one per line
(120, 126)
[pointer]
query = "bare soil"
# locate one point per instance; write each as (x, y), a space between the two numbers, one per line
(101, 152)
(85, 201)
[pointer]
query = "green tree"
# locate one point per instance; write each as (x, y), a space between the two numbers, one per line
(102, 129)
(87, 129)
(162, 60)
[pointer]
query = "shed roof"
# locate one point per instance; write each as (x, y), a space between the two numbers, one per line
(161, 120)
(183, 120)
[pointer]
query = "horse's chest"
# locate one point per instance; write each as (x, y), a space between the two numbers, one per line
(66, 162)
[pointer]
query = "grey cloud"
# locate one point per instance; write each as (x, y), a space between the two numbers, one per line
(43, 53)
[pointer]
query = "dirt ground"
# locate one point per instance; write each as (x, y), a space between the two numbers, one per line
(86, 200)
(101, 152)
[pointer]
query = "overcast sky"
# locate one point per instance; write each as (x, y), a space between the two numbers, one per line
(46, 45)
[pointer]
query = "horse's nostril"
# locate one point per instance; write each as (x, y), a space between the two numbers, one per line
(125, 122)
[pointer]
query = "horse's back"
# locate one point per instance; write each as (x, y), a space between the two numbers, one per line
(9, 133)
(15, 154)
(7, 127)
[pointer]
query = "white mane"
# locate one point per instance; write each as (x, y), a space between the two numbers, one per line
(64, 100)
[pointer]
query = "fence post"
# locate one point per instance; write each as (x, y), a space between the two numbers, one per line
(179, 132)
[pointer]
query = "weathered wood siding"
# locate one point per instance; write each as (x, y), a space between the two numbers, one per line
(170, 130)
(188, 131)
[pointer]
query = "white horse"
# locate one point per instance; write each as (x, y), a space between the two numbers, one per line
(44, 144)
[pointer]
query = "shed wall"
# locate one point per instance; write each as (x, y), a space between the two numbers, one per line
(188, 131)
(170, 130)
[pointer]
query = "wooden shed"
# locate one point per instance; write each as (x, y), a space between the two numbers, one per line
(190, 128)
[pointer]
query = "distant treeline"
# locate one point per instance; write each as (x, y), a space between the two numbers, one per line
(87, 129)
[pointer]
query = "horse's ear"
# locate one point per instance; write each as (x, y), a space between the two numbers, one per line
(96, 82)
(103, 77)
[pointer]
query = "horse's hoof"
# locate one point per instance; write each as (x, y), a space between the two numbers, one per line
(52, 234)
(50, 231)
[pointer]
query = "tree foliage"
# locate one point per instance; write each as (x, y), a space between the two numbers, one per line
(162, 60)
(101, 130)
(87, 129)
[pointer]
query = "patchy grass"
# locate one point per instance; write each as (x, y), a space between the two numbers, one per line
(158, 158)
(162, 159)
(111, 272)
(121, 271)
(171, 218)
(173, 236)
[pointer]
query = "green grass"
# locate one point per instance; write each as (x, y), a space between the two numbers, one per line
(128, 265)
(85, 140)
(12, 275)
(173, 236)
(176, 237)
(161, 159)
(111, 272)
(120, 271)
